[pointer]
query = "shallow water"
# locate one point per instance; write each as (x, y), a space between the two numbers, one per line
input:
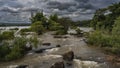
(85, 56)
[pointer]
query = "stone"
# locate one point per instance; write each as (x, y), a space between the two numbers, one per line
(39, 51)
(58, 65)
(58, 45)
(22, 66)
(69, 56)
(46, 44)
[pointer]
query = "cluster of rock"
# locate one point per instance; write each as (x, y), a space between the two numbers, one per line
(67, 60)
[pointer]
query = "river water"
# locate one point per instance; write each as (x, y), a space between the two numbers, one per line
(85, 56)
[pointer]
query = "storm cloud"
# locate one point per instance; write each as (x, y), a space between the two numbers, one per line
(75, 9)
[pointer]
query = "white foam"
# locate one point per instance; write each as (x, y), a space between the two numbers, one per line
(52, 50)
(85, 64)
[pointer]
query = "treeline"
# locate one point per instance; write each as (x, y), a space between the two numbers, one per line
(14, 24)
(106, 23)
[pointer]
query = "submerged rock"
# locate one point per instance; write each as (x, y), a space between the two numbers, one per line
(69, 56)
(46, 44)
(58, 45)
(18, 66)
(61, 36)
(58, 65)
(22, 66)
(39, 50)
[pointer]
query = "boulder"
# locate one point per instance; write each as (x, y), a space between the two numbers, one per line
(22, 66)
(58, 45)
(69, 56)
(46, 44)
(58, 65)
(39, 50)
(60, 36)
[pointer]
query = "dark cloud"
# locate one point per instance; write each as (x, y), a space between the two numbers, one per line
(76, 9)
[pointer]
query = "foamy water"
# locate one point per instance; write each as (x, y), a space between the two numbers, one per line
(85, 64)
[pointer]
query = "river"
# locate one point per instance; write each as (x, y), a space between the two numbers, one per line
(85, 55)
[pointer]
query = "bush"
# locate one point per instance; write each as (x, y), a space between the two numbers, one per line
(4, 50)
(110, 42)
(53, 26)
(25, 30)
(15, 51)
(37, 27)
(60, 32)
(7, 35)
(34, 41)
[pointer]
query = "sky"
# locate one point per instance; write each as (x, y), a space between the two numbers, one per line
(18, 10)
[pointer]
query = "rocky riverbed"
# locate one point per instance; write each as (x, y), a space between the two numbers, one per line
(84, 55)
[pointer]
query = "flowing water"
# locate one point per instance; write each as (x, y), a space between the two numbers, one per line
(85, 56)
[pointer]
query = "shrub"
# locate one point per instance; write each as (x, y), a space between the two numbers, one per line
(61, 32)
(37, 27)
(4, 50)
(35, 41)
(7, 35)
(15, 51)
(25, 30)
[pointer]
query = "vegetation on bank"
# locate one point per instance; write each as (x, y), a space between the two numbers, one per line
(12, 51)
(12, 47)
(7, 35)
(106, 23)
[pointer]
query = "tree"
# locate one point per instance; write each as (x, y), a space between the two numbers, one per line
(38, 17)
(116, 27)
(54, 17)
(37, 27)
(65, 22)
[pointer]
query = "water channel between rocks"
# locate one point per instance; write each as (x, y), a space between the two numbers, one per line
(85, 56)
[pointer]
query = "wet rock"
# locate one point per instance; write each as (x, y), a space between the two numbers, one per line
(58, 45)
(39, 51)
(58, 65)
(69, 56)
(60, 36)
(22, 66)
(18, 66)
(46, 44)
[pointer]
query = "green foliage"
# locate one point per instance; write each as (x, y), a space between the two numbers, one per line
(35, 41)
(101, 19)
(65, 22)
(4, 50)
(60, 32)
(39, 17)
(37, 27)
(7, 35)
(54, 17)
(53, 26)
(25, 30)
(116, 27)
(111, 40)
(108, 25)
(14, 51)
(78, 31)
